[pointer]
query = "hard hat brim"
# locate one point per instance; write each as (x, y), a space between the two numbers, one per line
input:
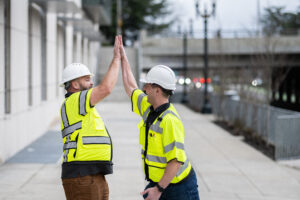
(62, 84)
(143, 80)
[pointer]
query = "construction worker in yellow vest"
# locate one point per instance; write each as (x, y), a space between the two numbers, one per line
(87, 144)
(165, 163)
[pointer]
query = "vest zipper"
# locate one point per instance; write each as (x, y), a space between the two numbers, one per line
(145, 152)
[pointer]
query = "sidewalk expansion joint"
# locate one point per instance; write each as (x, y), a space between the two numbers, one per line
(32, 176)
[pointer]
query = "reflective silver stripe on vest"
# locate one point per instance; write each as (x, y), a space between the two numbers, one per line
(95, 140)
(139, 102)
(171, 112)
(64, 115)
(183, 167)
(70, 145)
(156, 159)
(155, 127)
(82, 102)
(70, 129)
(145, 114)
(67, 151)
(171, 146)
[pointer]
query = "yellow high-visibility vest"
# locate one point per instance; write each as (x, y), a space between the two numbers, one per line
(84, 134)
(165, 140)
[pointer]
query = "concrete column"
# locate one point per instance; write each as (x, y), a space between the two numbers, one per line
(69, 44)
(60, 58)
(11, 138)
(93, 56)
(78, 57)
(51, 55)
(19, 55)
(85, 51)
(36, 58)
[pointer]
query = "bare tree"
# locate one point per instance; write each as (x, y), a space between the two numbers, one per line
(273, 69)
(271, 65)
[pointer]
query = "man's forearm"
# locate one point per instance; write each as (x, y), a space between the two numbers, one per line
(128, 78)
(107, 84)
(111, 77)
(170, 172)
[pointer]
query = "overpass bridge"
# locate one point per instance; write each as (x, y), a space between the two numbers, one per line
(236, 61)
(239, 52)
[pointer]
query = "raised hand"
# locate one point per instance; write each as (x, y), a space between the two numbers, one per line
(117, 53)
(122, 50)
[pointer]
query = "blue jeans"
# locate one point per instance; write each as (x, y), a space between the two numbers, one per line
(188, 190)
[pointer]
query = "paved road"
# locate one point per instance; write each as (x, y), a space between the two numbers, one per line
(226, 167)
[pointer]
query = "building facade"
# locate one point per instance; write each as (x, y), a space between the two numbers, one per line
(38, 38)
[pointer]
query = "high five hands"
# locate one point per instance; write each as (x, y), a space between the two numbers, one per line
(117, 45)
(119, 52)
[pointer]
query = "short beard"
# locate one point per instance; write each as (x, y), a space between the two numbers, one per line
(84, 88)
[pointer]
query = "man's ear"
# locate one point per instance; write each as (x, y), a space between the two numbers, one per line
(75, 85)
(158, 90)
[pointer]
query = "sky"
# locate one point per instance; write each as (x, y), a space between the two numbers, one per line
(230, 14)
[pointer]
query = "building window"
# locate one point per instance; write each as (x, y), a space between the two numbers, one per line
(7, 70)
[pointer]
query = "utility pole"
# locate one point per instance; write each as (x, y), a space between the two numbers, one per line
(119, 17)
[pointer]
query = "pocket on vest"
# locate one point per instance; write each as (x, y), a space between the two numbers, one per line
(94, 147)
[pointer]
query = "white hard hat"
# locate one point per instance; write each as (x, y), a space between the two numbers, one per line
(162, 76)
(73, 71)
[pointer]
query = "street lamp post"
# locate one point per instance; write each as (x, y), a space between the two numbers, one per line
(184, 45)
(206, 108)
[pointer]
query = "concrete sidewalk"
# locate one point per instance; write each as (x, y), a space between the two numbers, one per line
(226, 167)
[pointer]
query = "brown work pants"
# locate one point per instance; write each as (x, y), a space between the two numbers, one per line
(92, 187)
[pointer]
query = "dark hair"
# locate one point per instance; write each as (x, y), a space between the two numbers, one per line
(166, 92)
(67, 85)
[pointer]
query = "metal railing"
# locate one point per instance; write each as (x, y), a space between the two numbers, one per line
(276, 126)
(287, 137)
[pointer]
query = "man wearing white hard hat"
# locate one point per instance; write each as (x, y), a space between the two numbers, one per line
(167, 168)
(87, 156)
